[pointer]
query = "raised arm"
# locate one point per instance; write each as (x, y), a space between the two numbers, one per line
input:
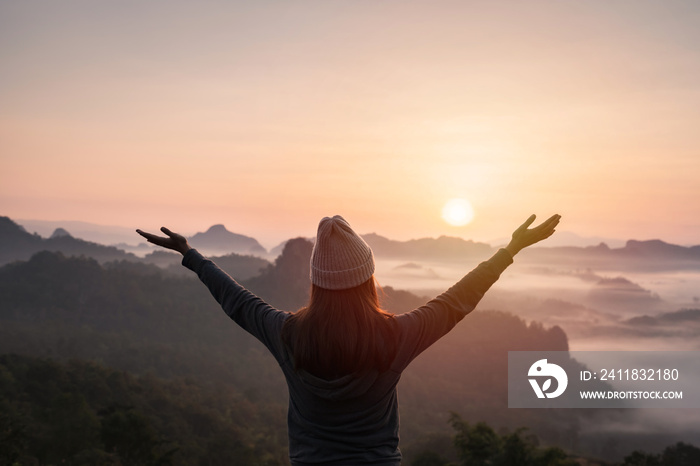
(245, 308)
(425, 325)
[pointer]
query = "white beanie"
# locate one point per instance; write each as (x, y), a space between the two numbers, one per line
(340, 258)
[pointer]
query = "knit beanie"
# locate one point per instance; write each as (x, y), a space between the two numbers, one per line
(340, 258)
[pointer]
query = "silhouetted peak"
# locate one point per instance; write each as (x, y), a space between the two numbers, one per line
(296, 254)
(8, 226)
(217, 239)
(445, 247)
(453, 239)
(60, 233)
(656, 247)
(633, 243)
(219, 231)
(286, 283)
(296, 244)
(218, 228)
(374, 236)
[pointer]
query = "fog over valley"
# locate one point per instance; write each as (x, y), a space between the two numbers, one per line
(146, 314)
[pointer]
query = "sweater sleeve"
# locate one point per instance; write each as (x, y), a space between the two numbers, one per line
(427, 324)
(245, 308)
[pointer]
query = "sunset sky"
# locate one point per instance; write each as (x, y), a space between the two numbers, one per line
(267, 115)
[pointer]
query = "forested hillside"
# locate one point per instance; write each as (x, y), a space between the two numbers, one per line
(82, 413)
(133, 317)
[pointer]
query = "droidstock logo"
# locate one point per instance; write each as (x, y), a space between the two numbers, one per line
(546, 371)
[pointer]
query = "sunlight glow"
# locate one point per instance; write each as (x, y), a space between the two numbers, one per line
(457, 212)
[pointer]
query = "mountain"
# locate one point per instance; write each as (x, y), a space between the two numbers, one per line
(620, 293)
(656, 248)
(17, 244)
(286, 284)
(686, 317)
(14, 241)
(59, 233)
(648, 255)
(444, 248)
(277, 250)
(218, 240)
(103, 234)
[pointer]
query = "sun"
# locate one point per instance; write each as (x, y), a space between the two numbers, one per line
(457, 212)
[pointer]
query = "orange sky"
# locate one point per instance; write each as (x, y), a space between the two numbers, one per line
(266, 116)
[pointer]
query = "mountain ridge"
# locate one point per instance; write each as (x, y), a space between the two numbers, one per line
(217, 239)
(17, 244)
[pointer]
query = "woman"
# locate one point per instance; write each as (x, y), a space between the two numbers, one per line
(341, 355)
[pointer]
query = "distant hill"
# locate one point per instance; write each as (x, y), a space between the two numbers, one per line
(109, 235)
(17, 244)
(649, 255)
(59, 232)
(277, 250)
(622, 294)
(444, 248)
(638, 255)
(217, 240)
(683, 317)
(286, 284)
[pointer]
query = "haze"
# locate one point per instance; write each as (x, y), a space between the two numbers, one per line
(266, 116)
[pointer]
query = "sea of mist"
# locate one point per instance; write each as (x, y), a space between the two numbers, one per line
(593, 321)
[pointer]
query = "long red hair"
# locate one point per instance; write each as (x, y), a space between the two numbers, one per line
(341, 332)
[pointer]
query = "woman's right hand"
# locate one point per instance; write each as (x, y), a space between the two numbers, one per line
(524, 237)
(173, 241)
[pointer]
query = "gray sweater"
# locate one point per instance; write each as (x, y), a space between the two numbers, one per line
(351, 420)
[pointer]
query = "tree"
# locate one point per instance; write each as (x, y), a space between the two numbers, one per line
(681, 454)
(517, 449)
(480, 445)
(476, 445)
(638, 458)
(429, 458)
(13, 436)
(74, 427)
(129, 434)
